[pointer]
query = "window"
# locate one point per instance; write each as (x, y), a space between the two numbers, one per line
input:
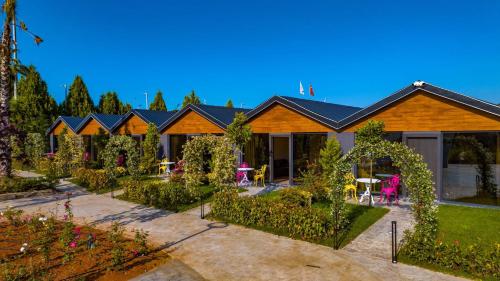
(176, 143)
(306, 149)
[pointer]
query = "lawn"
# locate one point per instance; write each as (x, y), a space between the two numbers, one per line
(483, 200)
(469, 225)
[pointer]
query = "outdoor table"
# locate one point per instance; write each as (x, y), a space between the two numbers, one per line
(244, 180)
(368, 182)
(168, 166)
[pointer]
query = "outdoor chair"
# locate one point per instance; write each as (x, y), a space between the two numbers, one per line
(393, 184)
(162, 168)
(351, 186)
(240, 174)
(260, 175)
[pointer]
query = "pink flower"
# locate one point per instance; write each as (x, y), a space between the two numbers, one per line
(72, 244)
(77, 230)
(136, 253)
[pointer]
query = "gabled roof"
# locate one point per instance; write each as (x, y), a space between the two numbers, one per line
(431, 89)
(326, 113)
(148, 116)
(70, 121)
(107, 121)
(219, 115)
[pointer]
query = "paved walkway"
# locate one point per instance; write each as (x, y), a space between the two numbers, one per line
(217, 251)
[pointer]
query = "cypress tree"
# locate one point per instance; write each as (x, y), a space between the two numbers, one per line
(158, 103)
(191, 98)
(78, 102)
(229, 103)
(34, 109)
(109, 103)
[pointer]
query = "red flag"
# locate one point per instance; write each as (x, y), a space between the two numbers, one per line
(311, 91)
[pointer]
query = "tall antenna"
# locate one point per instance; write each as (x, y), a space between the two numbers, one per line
(147, 104)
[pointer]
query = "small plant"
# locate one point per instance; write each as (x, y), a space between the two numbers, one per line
(141, 240)
(116, 238)
(12, 215)
(46, 237)
(68, 236)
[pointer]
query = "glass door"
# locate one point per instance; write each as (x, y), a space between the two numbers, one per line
(280, 158)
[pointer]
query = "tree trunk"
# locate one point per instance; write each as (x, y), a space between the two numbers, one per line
(5, 80)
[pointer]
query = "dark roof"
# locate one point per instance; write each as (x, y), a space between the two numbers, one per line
(327, 113)
(219, 115)
(431, 89)
(149, 116)
(70, 121)
(108, 121)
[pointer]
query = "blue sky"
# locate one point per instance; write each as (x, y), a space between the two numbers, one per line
(353, 52)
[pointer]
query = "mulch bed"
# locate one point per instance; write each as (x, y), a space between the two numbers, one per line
(95, 264)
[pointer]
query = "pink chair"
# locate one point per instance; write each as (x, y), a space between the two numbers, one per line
(393, 183)
(239, 174)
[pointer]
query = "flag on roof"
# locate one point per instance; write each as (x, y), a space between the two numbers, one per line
(301, 88)
(311, 91)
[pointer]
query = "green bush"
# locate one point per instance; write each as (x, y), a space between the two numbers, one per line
(312, 181)
(94, 180)
(297, 221)
(478, 261)
(296, 196)
(8, 185)
(165, 195)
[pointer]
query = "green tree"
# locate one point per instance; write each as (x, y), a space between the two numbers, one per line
(238, 132)
(34, 110)
(109, 103)
(372, 132)
(329, 155)
(191, 98)
(158, 103)
(78, 102)
(150, 148)
(229, 103)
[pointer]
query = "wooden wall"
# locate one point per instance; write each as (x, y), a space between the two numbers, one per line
(193, 123)
(422, 111)
(60, 127)
(134, 126)
(91, 128)
(280, 119)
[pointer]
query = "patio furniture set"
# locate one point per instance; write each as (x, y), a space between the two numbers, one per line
(389, 186)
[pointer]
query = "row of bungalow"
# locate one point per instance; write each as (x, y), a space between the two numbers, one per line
(289, 132)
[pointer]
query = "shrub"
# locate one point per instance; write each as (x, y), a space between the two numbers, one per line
(120, 172)
(116, 238)
(312, 181)
(141, 242)
(150, 149)
(94, 180)
(166, 195)
(8, 185)
(35, 148)
(12, 215)
(296, 196)
(479, 261)
(297, 221)
(70, 154)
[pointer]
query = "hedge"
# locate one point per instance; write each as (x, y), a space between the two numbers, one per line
(297, 221)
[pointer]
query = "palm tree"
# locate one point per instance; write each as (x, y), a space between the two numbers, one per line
(9, 8)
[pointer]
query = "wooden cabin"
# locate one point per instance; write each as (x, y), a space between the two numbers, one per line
(70, 123)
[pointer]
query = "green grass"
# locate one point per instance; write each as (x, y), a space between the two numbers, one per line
(480, 200)
(469, 225)
(360, 218)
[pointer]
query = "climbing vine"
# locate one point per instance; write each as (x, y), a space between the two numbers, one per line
(124, 145)
(222, 161)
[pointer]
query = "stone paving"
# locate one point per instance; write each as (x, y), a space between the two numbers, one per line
(217, 251)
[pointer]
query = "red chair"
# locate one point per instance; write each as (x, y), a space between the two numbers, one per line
(393, 184)
(239, 174)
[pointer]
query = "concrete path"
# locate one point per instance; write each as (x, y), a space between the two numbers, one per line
(217, 251)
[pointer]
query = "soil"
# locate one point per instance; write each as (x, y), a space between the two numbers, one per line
(95, 264)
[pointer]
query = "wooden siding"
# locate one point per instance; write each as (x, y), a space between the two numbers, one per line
(193, 123)
(422, 111)
(91, 128)
(133, 126)
(280, 119)
(60, 127)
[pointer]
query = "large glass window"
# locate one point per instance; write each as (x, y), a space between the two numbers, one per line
(306, 148)
(471, 167)
(256, 151)
(175, 146)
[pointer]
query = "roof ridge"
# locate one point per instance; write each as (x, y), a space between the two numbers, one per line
(325, 102)
(471, 97)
